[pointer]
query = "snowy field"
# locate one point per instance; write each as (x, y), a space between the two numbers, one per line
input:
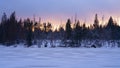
(59, 57)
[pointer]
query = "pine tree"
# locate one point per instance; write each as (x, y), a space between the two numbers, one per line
(96, 22)
(68, 30)
(110, 29)
(78, 33)
(29, 36)
(96, 28)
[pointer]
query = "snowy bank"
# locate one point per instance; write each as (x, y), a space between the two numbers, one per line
(59, 58)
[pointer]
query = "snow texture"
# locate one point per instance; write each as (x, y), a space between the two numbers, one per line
(59, 57)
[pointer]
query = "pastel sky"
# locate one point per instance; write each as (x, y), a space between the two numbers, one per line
(58, 11)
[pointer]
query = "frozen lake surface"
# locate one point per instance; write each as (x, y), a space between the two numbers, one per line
(59, 57)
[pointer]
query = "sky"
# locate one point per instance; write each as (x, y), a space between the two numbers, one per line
(58, 11)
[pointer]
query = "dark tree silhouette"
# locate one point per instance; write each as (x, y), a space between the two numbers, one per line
(3, 28)
(29, 35)
(68, 29)
(78, 33)
(112, 30)
(96, 28)
(96, 22)
(12, 31)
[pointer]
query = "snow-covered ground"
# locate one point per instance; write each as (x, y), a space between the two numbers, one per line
(59, 57)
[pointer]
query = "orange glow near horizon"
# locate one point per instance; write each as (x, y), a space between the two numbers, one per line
(57, 22)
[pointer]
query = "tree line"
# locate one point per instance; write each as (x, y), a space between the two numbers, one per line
(13, 31)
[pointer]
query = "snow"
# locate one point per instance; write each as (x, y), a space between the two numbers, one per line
(59, 57)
